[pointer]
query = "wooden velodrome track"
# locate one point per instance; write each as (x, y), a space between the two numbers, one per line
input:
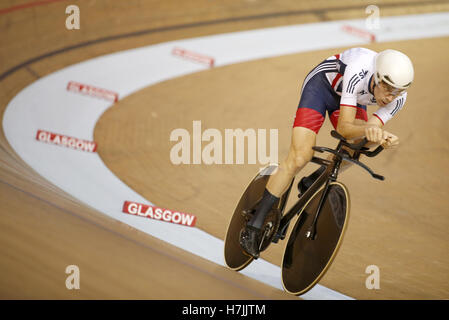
(400, 225)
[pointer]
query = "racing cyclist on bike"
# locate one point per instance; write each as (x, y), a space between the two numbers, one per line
(342, 85)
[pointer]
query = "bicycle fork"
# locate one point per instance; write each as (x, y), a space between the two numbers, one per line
(311, 232)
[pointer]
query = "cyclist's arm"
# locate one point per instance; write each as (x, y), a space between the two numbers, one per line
(385, 114)
(352, 82)
(353, 131)
(348, 128)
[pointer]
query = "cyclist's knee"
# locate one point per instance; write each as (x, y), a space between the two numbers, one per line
(301, 151)
(298, 158)
(302, 156)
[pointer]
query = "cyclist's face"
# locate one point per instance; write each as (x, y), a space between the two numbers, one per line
(385, 93)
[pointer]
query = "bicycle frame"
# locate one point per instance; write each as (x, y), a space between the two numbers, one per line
(329, 175)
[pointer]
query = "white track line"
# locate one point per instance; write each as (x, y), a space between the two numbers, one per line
(47, 105)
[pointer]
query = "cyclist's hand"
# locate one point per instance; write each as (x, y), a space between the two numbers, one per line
(391, 140)
(375, 134)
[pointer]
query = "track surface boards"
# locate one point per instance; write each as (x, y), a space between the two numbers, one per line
(399, 225)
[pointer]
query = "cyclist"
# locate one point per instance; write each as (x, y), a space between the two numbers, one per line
(343, 85)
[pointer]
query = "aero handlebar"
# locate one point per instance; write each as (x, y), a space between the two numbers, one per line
(357, 147)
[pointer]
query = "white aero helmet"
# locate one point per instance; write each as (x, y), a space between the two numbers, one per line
(394, 68)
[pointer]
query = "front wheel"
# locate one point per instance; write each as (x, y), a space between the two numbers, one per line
(306, 260)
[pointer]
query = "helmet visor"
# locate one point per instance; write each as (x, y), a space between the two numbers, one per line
(390, 90)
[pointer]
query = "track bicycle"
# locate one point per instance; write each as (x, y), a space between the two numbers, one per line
(323, 214)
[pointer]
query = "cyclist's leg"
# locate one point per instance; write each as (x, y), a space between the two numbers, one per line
(309, 118)
(300, 153)
(316, 96)
(332, 106)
